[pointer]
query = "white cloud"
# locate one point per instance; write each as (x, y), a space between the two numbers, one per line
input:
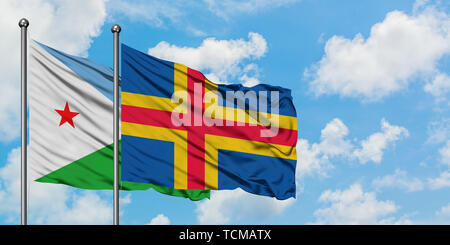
(160, 219)
(249, 81)
(151, 12)
(398, 180)
(445, 153)
(372, 148)
(316, 158)
(10, 184)
(228, 8)
(50, 203)
(332, 139)
(385, 62)
(439, 86)
(125, 200)
(440, 182)
(354, 206)
(444, 211)
(65, 25)
(160, 13)
(228, 206)
(89, 208)
(439, 131)
(443, 180)
(178, 13)
(310, 160)
(250, 74)
(402, 220)
(419, 5)
(220, 58)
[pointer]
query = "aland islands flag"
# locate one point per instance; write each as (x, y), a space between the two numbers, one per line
(71, 123)
(182, 131)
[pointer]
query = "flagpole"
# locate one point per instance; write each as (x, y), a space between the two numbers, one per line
(23, 24)
(116, 30)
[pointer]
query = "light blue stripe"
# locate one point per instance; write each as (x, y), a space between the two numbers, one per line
(99, 76)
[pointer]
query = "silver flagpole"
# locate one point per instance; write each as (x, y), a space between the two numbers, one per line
(116, 30)
(23, 24)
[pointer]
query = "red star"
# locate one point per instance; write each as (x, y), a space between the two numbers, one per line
(66, 115)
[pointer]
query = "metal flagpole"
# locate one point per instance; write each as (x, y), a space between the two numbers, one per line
(116, 30)
(23, 24)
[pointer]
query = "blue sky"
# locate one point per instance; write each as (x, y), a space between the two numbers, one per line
(370, 82)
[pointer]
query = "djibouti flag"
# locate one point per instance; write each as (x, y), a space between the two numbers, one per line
(71, 123)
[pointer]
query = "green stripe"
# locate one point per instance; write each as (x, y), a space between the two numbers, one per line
(95, 172)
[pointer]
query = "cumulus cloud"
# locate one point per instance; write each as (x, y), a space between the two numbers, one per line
(440, 182)
(387, 60)
(154, 13)
(50, 203)
(438, 131)
(443, 180)
(444, 211)
(88, 208)
(400, 180)
(176, 13)
(229, 206)
(316, 158)
(228, 8)
(353, 206)
(311, 160)
(160, 219)
(250, 74)
(219, 60)
(372, 148)
(439, 86)
(445, 153)
(332, 138)
(65, 25)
